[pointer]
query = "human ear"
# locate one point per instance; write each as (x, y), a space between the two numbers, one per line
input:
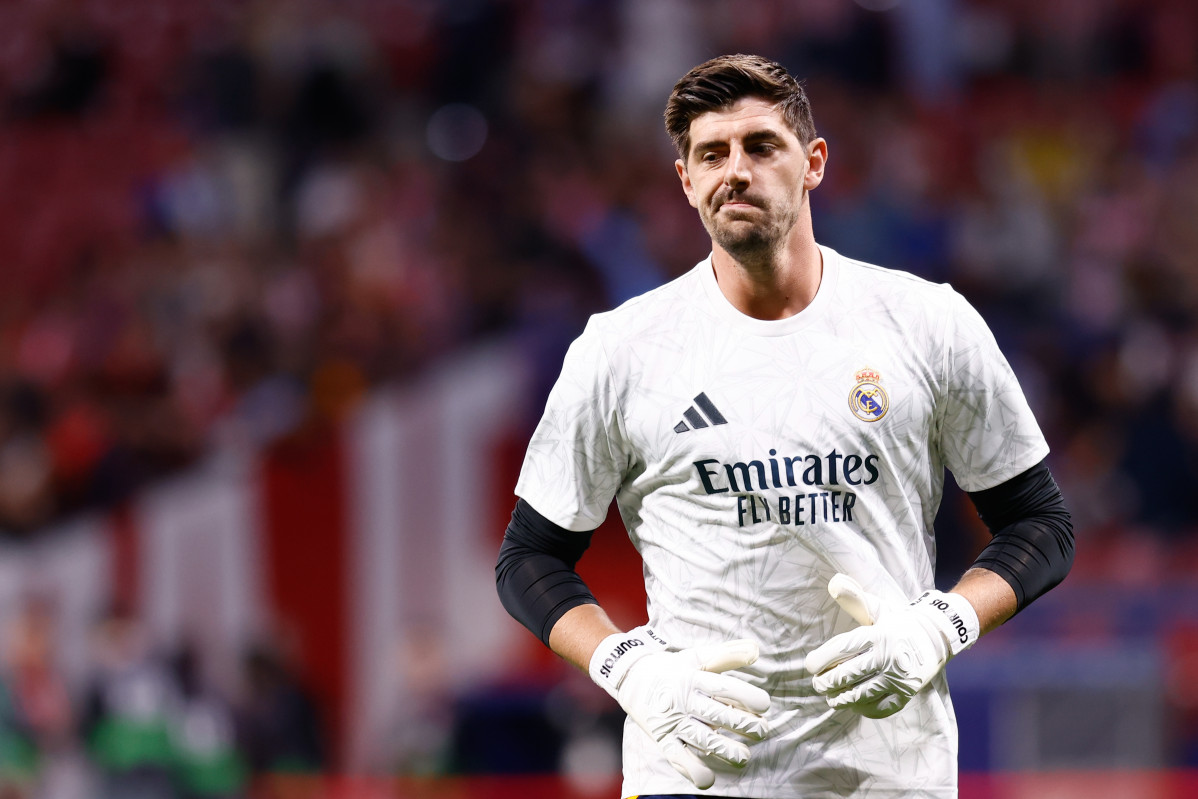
(817, 159)
(687, 187)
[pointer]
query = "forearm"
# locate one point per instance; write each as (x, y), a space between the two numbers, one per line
(577, 633)
(991, 596)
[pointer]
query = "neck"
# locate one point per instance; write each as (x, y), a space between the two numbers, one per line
(771, 286)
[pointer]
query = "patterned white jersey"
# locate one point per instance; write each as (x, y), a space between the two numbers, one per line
(751, 460)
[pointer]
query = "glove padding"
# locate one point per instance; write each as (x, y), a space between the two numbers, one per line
(876, 668)
(681, 699)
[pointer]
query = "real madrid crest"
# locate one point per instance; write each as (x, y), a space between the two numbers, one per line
(868, 400)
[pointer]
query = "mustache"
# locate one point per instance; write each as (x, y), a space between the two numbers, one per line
(729, 195)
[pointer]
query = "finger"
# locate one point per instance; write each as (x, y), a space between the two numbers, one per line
(725, 656)
(717, 714)
(841, 678)
(886, 706)
(863, 606)
(707, 741)
(733, 691)
(868, 690)
(839, 649)
(847, 674)
(876, 700)
(687, 763)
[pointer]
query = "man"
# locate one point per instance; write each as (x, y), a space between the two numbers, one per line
(774, 426)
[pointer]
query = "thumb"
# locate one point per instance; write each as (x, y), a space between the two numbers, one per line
(863, 606)
(725, 656)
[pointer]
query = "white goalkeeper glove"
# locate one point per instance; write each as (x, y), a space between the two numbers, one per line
(681, 699)
(877, 668)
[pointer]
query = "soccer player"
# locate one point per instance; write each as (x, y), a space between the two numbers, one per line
(774, 426)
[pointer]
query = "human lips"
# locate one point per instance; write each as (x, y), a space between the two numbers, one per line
(736, 205)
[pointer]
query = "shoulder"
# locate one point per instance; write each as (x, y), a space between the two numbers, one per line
(859, 275)
(869, 287)
(615, 341)
(655, 313)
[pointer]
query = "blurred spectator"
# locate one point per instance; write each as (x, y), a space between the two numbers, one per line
(415, 734)
(128, 713)
(283, 735)
(209, 763)
(39, 705)
(18, 751)
(71, 76)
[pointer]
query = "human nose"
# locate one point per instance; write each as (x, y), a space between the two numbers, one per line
(736, 173)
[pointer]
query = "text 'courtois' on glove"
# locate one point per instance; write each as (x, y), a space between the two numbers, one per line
(682, 699)
(877, 668)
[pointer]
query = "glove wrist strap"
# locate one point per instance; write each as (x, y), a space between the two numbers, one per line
(616, 654)
(954, 616)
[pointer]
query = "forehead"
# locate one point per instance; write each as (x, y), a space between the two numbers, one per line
(747, 115)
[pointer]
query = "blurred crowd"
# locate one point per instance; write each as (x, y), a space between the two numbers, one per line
(227, 221)
(231, 219)
(146, 723)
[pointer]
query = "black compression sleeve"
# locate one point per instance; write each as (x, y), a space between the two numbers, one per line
(535, 573)
(1032, 544)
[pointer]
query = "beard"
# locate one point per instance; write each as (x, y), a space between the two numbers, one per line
(745, 240)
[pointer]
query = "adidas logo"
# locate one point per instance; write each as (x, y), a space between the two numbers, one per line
(697, 417)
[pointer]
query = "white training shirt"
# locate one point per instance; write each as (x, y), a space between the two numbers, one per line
(751, 460)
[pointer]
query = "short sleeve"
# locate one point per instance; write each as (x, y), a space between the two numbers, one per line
(986, 431)
(575, 461)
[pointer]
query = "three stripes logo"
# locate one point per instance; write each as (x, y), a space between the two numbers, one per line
(705, 415)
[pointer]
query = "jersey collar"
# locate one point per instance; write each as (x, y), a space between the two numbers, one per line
(772, 327)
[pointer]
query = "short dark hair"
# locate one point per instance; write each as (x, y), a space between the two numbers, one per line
(719, 83)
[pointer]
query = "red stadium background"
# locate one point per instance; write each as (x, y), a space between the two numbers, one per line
(285, 282)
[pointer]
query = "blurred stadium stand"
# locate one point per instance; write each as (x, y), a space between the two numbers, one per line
(285, 283)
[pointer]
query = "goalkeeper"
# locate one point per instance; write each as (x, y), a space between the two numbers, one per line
(774, 426)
